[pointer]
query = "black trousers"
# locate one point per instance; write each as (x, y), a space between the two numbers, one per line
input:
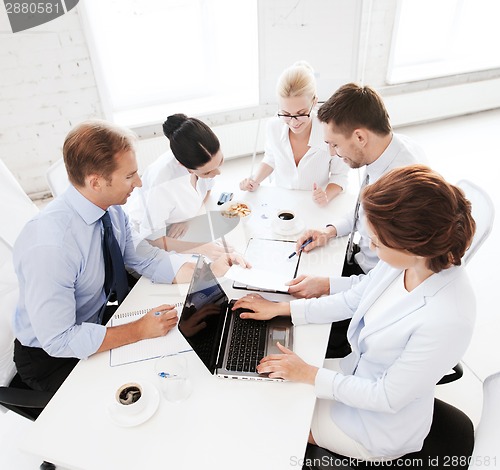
(338, 346)
(40, 371)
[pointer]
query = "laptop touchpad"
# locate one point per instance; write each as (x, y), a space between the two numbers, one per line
(275, 334)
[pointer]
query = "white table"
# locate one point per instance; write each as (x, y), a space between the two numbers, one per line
(265, 425)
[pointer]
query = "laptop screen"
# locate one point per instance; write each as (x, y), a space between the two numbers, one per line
(202, 317)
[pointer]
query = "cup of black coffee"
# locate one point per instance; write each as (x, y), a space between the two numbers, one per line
(129, 399)
(285, 220)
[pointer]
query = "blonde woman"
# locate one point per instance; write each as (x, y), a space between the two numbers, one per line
(295, 150)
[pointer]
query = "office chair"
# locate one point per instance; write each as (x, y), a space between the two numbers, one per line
(16, 208)
(483, 212)
(452, 432)
(57, 178)
(486, 448)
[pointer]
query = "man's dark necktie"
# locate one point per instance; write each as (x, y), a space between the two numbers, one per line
(350, 244)
(115, 278)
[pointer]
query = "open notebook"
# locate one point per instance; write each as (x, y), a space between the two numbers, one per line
(271, 269)
(172, 343)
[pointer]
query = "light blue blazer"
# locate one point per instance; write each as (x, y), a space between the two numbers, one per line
(384, 397)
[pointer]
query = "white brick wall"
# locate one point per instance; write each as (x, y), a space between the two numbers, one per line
(47, 85)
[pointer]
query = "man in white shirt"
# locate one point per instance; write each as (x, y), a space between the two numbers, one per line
(357, 129)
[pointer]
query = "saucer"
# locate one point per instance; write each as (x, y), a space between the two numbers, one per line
(297, 228)
(153, 400)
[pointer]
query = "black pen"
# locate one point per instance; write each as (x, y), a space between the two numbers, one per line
(309, 240)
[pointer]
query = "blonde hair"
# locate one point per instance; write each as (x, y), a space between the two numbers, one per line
(297, 80)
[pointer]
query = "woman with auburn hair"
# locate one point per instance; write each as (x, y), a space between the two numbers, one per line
(412, 318)
(295, 149)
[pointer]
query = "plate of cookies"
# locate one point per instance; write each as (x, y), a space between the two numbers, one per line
(233, 209)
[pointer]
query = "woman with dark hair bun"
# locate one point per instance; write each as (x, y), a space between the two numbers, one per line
(411, 321)
(176, 185)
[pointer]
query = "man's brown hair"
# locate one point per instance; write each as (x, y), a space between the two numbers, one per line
(352, 107)
(90, 148)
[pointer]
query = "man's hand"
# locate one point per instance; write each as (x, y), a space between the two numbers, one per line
(157, 322)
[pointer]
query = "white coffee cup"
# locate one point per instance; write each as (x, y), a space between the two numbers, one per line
(129, 399)
(285, 220)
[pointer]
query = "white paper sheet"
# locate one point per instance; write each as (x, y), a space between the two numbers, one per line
(172, 343)
(271, 266)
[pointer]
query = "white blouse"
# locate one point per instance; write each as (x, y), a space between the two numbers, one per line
(167, 196)
(316, 166)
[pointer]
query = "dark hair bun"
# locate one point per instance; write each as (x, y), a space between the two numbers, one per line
(173, 123)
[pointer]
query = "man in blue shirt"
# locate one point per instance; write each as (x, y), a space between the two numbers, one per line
(59, 262)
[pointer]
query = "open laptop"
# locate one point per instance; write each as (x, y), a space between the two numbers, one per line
(228, 346)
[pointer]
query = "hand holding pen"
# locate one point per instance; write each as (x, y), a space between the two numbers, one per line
(157, 322)
(309, 240)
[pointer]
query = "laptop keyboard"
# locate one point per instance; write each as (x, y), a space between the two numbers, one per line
(248, 342)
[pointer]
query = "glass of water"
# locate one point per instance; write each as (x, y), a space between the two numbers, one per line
(173, 378)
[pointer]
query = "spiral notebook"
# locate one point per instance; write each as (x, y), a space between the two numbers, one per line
(172, 343)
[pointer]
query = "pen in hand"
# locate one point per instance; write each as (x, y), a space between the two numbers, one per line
(309, 240)
(224, 244)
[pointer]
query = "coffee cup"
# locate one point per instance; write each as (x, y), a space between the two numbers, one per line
(129, 399)
(285, 220)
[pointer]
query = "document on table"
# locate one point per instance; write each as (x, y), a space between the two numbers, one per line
(172, 343)
(271, 268)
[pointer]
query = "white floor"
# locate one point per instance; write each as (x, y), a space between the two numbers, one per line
(459, 148)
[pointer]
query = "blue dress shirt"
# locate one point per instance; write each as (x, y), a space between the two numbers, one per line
(60, 267)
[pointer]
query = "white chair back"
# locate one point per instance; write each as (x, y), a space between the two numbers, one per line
(16, 208)
(487, 439)
(57, 177)
(483, 212)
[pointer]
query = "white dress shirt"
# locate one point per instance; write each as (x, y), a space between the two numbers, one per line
(167, 196)
(316, 166)
(402, 151)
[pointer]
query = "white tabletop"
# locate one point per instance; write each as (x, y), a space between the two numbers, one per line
(224, 423)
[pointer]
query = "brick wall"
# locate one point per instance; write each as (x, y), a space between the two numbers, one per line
(47, 85)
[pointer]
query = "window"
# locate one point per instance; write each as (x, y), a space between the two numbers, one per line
(153, 58)
(446, 37)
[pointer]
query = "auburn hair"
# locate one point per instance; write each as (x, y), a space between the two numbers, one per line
(415, 209)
